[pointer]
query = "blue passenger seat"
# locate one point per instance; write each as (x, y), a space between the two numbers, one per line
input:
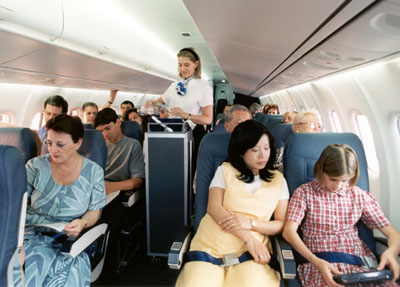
(94, 147)
(12, 209)
(281, 133)
(304, 149)
(220, 128)
(22, 138)
(213, 151)
(132, 129)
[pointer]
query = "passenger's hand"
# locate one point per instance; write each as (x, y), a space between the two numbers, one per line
(113, 94)
(327, 270)
(178, 112)
(234, 222)
(74, 227)
(109, 187)
(259, 251)
(389, 259)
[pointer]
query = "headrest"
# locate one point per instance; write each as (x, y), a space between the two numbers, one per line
(213, 151)
(94, 147)
(22, 138)
(87, 126)
(12, 188)
(281, 133)
(265, 120)
(304, 149)
(220, 128)
(259, 117)
(273, 120)
(132, 129)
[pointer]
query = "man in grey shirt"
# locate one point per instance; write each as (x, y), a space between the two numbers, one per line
(125, 163)
(124, 171)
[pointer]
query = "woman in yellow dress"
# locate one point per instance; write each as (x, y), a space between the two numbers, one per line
(244, 194)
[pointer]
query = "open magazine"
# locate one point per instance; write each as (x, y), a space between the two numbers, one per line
(56, 227)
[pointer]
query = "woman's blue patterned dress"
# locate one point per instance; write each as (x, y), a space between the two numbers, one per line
(51, 202)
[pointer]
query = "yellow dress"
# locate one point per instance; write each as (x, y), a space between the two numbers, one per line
(211, 239)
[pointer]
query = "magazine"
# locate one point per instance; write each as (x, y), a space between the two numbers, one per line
(56, 226)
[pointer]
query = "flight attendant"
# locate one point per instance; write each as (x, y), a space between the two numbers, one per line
(191, 98)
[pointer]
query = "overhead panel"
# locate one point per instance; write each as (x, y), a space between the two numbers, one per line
(251, 38)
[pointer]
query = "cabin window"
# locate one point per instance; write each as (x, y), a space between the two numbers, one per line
(38, 121)
(364, 130)
(5, 118)
(398, 125)
(336, 123)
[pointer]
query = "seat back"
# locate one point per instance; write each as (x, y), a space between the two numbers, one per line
(212, 152)
(21, 138)
(281, 133)
(269, 120)
(12, 189)
(94, 147)
(132, 129)
(259, 117)
(220, 128)
(273, 120)
(87, 126)
(303, 150)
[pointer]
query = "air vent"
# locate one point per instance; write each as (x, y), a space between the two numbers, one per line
(386, 23)
(186, 34)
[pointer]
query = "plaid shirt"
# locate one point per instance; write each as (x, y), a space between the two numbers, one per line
(328, 223)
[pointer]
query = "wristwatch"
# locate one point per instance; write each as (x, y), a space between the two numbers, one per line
(110, 102)
(189, 115)
(253, 223)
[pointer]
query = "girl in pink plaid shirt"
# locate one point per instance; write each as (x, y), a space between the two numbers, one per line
(331, 205)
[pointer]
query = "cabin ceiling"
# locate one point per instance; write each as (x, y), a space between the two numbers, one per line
(257, 46)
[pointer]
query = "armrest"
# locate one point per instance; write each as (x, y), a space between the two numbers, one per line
(179, 247)
(130, 197)
(75, 245)
(111, 196)
(285, 257)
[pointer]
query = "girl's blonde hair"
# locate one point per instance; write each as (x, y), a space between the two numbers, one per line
(193, 56)
(338, 160)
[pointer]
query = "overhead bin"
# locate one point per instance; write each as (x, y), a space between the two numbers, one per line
(45, 16)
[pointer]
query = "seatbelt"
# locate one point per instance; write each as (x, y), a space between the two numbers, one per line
(227, 260)
(340, 257)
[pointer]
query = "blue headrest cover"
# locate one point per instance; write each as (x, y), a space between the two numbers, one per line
(12, 188)
(94, 147)
(22, 138)
(132, 129)
(281, 133)
(213, 151)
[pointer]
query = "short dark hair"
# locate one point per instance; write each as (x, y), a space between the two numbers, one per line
(245, 136)
(66, 124)
(105, 116)
(57, 101)
(89, 104)
(128, 102)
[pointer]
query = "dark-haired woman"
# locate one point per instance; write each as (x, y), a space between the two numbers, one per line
(63, 186)
(133, 116)
(244, 194)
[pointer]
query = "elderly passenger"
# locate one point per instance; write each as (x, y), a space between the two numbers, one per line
(236, 115)
(307, 122)
(63, 187)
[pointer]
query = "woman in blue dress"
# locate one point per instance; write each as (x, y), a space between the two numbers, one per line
(63, 186)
